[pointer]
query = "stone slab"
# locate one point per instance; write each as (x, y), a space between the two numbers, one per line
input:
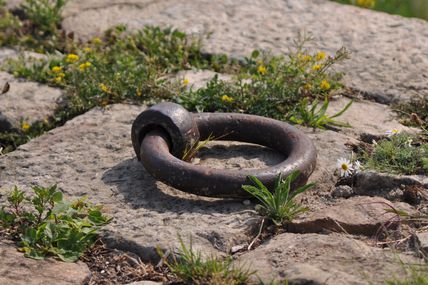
(15, 269)
(389, 53)
(360, 215)
(92, 155)
(26, 101)
(324, 259)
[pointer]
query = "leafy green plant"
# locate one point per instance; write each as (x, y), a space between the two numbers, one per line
(308, 115)
(400, 154)
(271, 86)
(279, 206)
(192, 268)
(36, 26)
(44, 14)
(46, 224)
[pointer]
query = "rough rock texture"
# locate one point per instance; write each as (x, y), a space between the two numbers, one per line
(382, 184)
(323, 259)
(356, 215)
(26, 101)
(199, 78)
(366, 117)
(421, 242)
(92, 155)
(389, 53)
(15, 269)
(6, 53)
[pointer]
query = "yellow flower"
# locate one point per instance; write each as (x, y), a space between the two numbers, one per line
(25, 126)
(320, 55)
(96, 41)
(262, 70)
(227, 99)
(366, 3)
(186, 81)
(304, 57)
(104, 88)
(325, 85)
(316, 67)
(71, 58)
(307, 86)
(56, 69)
(84, 66)
(87, 49)
(139, 93)
(58, 79)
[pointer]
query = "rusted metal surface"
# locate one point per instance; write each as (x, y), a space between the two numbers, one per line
(156, 145)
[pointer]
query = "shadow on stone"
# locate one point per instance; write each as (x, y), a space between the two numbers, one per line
(265, 156)
(141, 190)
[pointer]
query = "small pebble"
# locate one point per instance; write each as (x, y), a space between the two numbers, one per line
(103, 271)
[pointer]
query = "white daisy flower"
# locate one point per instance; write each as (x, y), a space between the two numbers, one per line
(357, 166)
(392, 132)
(345, 167)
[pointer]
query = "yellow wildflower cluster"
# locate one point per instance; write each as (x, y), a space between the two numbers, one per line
(71, 58)
(87, 49)
(56, 69)
(262, 70)
(186, 82)
(139, 92)
(304, 57)
(96, 41)
(320, 55)
(84, 66)
(227, 99)
(59, 75)
(104, 88)
(366, 3)
(325, 85)
(25, 126)
(307, 86)
(316, 67)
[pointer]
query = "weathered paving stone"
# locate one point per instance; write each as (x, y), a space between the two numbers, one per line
(365, 117)
(323, 259)
(92, 155)
(372, 183)
(25, 101)
(15, 269)
(389, 53)
(357, 215)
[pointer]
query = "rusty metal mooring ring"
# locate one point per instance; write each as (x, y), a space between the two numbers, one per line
(161, 134)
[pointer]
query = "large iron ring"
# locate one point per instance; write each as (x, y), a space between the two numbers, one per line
(160, 136)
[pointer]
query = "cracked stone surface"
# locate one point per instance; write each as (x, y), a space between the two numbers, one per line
(101, 164)
(356, 215)
(324, 259)
(15, 269)
(92, 155)
(389, 53)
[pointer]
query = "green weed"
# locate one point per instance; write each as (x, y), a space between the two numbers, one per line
(36, 25)
(271, 86)
(400, 154)
(309, 115)
(45, 224)
(279, 206)
(192, 268)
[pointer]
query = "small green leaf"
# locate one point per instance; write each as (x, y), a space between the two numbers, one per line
(57, 197)
(255, 53)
